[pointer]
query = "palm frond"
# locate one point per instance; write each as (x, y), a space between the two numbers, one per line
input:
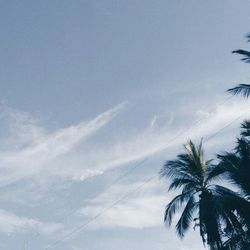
(241, 89)
(237, 165)
(237, 168)
(214, 172)
(187, 215)
(245, 53)
(181, 182)
(182, 167)
(243, 148)
(189, 164)
(232, 201)
(195, 187)
(175, 205)
(245, 128)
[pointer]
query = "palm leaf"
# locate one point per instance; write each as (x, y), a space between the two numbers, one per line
(214, 172)
(237, 165)
(245, 128)
(175, 205)
(245, 53)
(187, 215)
(181, 182)
(241, 89)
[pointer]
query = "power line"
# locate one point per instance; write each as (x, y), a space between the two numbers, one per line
(72, 211)
(111, 185)
(81, 227)
(228, 125)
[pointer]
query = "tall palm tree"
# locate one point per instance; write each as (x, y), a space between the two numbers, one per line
(210, 207)
(235, 167)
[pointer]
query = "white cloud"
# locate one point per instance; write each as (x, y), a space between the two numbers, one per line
(24, 129)
(139, 210)
(37, 157)
(151, 141)
(51, 154)
(153, 121)
(144, 210)
(11, 223)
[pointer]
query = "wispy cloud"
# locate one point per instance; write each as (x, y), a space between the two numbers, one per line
(11, 223)
(142, 210)
(39, 149)
(52, 154)
(134, 213)
(150, 141)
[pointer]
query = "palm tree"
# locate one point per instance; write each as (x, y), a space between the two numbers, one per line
(235, 166)
(210, 207)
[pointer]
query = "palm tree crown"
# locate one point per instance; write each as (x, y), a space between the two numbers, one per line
(210, 207)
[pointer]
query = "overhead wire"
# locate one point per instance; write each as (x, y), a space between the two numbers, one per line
(81, 227)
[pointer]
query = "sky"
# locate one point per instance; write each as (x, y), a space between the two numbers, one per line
(95, 97)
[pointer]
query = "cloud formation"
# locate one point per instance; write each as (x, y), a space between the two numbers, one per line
(11, 223)
(144, 209)
(40, 154)
(147, 142)
(39, 149)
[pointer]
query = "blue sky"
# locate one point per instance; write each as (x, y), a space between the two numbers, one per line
(90, 89)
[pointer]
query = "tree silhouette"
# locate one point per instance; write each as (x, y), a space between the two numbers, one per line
(210, 207)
